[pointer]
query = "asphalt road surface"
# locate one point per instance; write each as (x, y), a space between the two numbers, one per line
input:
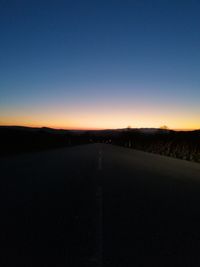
(99, 205)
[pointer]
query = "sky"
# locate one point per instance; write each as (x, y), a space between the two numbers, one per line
(100, 64)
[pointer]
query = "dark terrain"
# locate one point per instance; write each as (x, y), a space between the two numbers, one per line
(99, 205)
(178, 144)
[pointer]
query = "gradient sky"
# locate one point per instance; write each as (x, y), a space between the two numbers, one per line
(100, 64)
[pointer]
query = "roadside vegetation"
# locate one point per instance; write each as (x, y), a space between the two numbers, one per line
(182, 145)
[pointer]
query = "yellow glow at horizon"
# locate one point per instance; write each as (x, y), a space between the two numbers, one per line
(102, 121)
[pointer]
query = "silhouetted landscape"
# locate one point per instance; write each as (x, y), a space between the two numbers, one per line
(100, 133)
(178, 144)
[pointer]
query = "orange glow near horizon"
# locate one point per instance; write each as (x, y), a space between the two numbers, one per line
(86, 67)
(101, 121)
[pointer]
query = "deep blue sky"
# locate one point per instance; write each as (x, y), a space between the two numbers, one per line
(100, 64)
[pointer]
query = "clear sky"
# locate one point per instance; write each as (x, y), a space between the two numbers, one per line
(100, 63)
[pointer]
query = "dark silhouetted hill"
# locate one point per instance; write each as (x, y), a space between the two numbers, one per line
(17, 139)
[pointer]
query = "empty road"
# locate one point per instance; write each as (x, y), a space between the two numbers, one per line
(99, 205)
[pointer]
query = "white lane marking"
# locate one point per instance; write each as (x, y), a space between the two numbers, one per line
(99, 201)
(100, 225)
(100, 161)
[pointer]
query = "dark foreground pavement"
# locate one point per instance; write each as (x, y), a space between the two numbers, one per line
(99, 205)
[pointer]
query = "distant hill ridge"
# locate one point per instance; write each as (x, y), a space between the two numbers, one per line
(51, 130)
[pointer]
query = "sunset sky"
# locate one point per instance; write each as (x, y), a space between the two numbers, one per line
(100, 64)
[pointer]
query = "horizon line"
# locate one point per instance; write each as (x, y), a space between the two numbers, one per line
(96, 129)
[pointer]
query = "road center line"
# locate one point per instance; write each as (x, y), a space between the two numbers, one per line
(100, 161)
(100, 226)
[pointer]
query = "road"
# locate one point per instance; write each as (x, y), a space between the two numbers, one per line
(99, 205)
